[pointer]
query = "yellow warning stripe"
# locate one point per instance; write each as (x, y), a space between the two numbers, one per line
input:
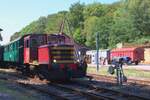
(58, 57)
(60, 52)
(62, 48)
(64, 61)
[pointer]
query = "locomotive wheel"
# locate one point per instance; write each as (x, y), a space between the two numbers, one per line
(136, 62)
(41, 76)
(25, 70)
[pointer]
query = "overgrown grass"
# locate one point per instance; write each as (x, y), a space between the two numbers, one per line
(127, 72)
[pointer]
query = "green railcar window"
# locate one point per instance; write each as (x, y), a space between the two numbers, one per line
(17, 44)
(5, 49)
(10, 47)
(14, 46)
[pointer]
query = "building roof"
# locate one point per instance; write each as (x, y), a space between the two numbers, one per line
(124, 49)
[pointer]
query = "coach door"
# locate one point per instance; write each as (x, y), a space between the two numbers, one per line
(27, 49)
(31, 44)
(36, 41)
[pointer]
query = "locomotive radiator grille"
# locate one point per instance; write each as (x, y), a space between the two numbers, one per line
(63, 54)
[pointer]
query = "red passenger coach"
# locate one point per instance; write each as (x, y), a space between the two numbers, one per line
(31, 44)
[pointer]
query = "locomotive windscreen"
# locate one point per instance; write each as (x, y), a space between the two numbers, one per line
(56, 39)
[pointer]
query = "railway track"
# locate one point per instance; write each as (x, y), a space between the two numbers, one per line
(52, 91)
(59, 91)
(43, 87)
(99, 93)
(74, 90)
(113, 79)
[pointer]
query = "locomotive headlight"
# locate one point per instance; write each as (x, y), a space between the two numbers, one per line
(54, 60)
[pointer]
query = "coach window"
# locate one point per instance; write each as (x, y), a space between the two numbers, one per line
(17, 45)
(7, 48)
(27, 44)
(34, 43)
(42, 40)
(13, 46)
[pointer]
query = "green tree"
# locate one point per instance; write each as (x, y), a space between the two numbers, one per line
(104, 27)
(122, 29)
(35, 27)
(140, 10)
(89, 31)
(78, 37)
(95, 9)
(75, 15)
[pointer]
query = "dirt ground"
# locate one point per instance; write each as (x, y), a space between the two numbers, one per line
(12, 91)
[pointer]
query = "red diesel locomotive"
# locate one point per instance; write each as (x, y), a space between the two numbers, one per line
(48, 56)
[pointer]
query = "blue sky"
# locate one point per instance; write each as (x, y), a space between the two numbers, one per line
(16, 14)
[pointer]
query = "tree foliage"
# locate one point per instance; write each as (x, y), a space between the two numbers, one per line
(122, 21)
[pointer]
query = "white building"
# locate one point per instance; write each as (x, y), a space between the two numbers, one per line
(103, 56)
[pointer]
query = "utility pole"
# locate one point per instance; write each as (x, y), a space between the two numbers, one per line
(97, 49)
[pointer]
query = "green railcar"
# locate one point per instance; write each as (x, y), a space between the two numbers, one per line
(13, 52)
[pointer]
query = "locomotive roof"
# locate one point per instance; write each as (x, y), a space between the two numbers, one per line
(46, 45)
(56, 34)
(21, 37)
